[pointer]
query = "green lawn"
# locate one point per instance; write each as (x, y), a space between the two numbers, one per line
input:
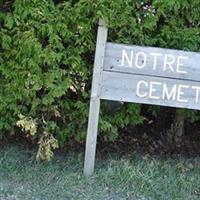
(133, 177)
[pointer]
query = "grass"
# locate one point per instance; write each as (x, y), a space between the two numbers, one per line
(134, 177)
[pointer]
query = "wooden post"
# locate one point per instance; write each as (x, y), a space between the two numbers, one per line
(95, 99)
(179, 121)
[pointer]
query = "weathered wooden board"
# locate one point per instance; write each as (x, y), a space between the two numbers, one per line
(152, 61)
(137, 74)
(90, 149)
(150, 90)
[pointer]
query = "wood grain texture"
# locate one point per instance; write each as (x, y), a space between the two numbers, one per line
(95, 100)
(113, 60)
(122, 87)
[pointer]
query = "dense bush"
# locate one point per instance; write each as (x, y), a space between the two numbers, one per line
(47, 54)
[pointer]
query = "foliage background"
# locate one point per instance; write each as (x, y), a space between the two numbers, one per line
(46, 58)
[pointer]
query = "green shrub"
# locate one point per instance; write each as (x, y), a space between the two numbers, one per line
(47, 53)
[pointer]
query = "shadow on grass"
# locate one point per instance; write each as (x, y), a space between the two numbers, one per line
(128, 176)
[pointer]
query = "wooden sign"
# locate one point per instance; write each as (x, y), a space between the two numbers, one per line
(141, 75)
